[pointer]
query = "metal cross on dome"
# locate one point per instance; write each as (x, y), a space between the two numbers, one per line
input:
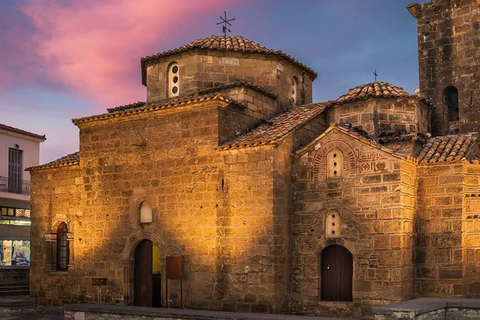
(375, 74)
(225, 22)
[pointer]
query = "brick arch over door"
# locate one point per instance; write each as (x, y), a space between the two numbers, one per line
(320, 160)
(128, 258)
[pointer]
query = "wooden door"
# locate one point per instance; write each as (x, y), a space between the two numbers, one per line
(143, 274)
(337, 274)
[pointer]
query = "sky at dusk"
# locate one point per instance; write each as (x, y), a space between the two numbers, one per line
(64, 59)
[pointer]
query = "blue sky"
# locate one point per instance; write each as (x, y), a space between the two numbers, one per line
(72, 58)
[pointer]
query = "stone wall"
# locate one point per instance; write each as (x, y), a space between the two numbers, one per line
(237, 119)
(226, 212)
(471, 230)
(439, 253)
(201, 69)
(430, 309)
(448, 44)
(376, 116)
(374, 200)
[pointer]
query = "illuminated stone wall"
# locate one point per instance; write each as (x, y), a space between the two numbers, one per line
(438, 254)
(376, 116)
(202, 69)
(226, 212)
(374, 201)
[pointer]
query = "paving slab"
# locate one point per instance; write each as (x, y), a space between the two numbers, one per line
(188, 313)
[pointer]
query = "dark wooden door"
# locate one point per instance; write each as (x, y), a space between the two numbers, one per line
(143, 274)
(337, 273)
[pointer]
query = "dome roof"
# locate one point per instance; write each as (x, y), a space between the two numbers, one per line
(372, 90)
(222, 43)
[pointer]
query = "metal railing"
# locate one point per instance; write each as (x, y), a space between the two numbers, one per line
(21, 188)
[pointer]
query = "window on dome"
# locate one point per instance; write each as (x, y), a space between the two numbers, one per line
(173, 80)
(294, 91)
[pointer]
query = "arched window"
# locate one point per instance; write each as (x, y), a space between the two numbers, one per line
(145, 213)
(334, 164)
(173, 80)
(336, 274)
(450, 96)
(63, 248)
(332, 225)
(294, 91)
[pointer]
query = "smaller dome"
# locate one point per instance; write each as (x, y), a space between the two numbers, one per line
(372, 90)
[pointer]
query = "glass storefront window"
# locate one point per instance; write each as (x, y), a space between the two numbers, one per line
(14, 253)
(15, 212)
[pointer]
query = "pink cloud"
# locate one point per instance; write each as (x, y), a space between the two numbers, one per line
(94, 47)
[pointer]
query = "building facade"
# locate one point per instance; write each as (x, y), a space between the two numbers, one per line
(19, 149)
(228, 189)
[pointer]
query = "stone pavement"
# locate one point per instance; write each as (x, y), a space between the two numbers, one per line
(110, 312)
(40, 313)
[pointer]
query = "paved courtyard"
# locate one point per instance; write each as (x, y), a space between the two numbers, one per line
(40, 314)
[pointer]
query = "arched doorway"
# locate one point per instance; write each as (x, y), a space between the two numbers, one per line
(147, 276)
(336, 274)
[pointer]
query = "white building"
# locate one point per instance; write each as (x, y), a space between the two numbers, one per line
(19, 149)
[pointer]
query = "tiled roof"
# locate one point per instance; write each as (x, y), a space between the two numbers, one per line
(239, 84)
(191, 97)
(127, 106)
(372, 90)
(277, 127)
(68, 160)
(26, 133)
(140, 107)
(353, 132)
(401, 136)
(232, 43)
(447, 148)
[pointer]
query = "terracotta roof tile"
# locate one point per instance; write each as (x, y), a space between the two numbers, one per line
(69, 159)
(277, 127)
(228, 43)
(239, 84)
(138, 104)
(448, 148)
(140, 107)
(372, 90)
(26, 133)
(192, 97)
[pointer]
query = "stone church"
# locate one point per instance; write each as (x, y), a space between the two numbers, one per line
(229, 189)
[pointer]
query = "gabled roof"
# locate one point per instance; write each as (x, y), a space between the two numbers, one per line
(277, 127)
(68, 160)
(223, 43)
(448, 148)
(141, 107)
(20, 131)
(372, 90)
(134, 105)
(239, 84)
(354, 133)
(191, 97)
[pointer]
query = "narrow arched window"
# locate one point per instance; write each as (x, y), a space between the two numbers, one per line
(450, 95)
(334, 164)
(145, 213)
(173, 80)
(294, 91)
(63, 250)
(332, 225)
